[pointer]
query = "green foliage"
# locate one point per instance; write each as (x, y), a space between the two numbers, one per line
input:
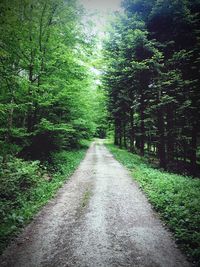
(27, 185)
(18, 175)
(152, 79)
(49, 102)
(48, 93)
(175, 197)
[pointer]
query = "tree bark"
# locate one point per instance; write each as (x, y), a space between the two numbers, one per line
(161, 134)
(116, 137)
(124, 134)
(31, 68)
(193, 150)
(132, 131)
(142, 126)
(170, 135)
(161, 140)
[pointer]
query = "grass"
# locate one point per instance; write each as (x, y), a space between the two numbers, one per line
(175, 197)
(86, 198)
(26, 186)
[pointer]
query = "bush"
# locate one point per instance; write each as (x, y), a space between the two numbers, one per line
(175, 197)
(27, 185)
(18, 176)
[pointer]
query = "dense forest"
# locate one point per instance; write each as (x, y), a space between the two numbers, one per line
(49, 102)
(48, 97)
(62, 84)
(152, 78)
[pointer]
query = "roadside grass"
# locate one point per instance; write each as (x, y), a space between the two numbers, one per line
(175, 197)
(26, 186)
(86, 198)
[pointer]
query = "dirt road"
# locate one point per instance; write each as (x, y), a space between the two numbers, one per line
(99, 218)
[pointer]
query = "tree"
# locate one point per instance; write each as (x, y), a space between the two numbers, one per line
(47, 89)
(152, 90)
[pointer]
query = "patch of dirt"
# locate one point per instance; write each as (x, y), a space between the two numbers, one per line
(99, 218)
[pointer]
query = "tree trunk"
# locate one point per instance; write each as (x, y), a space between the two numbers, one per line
(116, 131)
(142, 127)
(132, 131)
(161, 140)
(116, 136)
(8, 132)
(149, 144)
(193, 150)
(124, 134)
(170, 135)
(31, 67)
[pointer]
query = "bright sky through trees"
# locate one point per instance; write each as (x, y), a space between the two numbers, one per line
(100, 10)
(101, 5)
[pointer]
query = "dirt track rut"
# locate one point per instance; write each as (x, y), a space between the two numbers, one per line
(99, 218)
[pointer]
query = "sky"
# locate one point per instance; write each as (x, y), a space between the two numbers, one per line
(102, 6)
(99, 11)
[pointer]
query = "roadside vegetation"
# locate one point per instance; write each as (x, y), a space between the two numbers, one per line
(27, 185)
(175, 197)
(49, 103)
(60, 84)
(151, 55)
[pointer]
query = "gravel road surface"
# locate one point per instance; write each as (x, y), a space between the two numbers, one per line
(100, 218)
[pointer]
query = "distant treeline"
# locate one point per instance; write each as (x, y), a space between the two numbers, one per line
(152, 78)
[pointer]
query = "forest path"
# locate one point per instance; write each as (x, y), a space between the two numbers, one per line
(99, 218)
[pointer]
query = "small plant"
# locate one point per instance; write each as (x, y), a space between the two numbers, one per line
(86, 198)
(175, 197)
(27, 185)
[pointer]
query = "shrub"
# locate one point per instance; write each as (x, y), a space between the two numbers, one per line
(27, 185)
(175, 197)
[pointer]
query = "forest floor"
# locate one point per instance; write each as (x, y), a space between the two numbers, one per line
(99, 218)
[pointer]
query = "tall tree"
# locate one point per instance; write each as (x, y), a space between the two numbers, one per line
(153, 78)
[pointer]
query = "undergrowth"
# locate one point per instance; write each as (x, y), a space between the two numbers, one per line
(175, 197)
(27, 185)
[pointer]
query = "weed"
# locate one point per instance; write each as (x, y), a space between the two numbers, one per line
(26, 186)
(86, 198)
(175, 197)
